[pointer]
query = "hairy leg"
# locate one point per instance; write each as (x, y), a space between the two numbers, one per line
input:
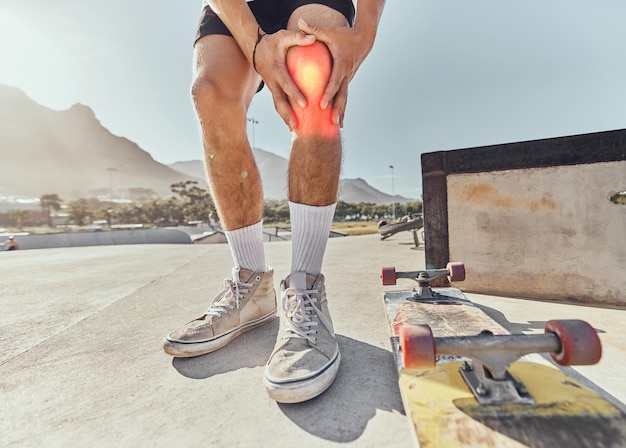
(315, 160)
(223, 87)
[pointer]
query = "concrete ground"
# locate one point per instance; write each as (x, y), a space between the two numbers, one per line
(82, 365)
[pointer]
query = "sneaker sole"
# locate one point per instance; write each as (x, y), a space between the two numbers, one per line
(299, 391)
(180, 349)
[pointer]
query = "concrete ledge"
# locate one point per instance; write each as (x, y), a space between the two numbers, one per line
(99, 238)
(532, 219)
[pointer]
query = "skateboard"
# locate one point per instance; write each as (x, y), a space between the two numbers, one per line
(386, 229)
(465, 381)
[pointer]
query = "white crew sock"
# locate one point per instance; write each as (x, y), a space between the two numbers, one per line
(310, 228)
(246, 247)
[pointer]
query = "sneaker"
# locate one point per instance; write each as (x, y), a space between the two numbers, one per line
(306, 359)
(243, 303)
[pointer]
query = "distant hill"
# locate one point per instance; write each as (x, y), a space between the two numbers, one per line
(70, 153)
(273, 170)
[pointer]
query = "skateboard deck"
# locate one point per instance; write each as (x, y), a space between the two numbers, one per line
(522, 401)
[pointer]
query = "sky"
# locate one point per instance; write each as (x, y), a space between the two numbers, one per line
(442, 75)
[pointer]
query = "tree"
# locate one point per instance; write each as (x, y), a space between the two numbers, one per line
(126, 215)
(281, 213)
(174, 213)
(48, 203)
(19, 217)
(78, 211)
(270, 206)
(344, 209)
(197, 202)
(367, 209)
(189, 190)
(413, 207)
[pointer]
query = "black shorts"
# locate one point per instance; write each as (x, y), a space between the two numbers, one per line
(272, 15)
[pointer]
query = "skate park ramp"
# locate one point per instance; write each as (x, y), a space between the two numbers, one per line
(103, 238)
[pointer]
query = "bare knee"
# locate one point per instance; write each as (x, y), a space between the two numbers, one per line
(209, 93)
(310, 68)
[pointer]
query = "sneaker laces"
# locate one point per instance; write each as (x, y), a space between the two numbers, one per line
(300, 310)
(230, 297)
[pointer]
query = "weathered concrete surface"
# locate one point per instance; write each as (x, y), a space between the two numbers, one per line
(85, 366)
(82, 363)
(548, 233)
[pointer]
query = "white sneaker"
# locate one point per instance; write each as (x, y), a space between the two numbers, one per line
(243, 303)
(306, 359)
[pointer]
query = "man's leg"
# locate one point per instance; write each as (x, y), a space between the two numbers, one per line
(315, 160)
(222, 90)
(223, 87)
(306, 359)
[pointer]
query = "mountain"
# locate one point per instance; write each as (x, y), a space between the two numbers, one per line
(358, 190)
(70, 153)
(273, 169)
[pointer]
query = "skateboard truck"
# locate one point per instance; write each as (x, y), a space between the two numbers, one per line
(569, 342)
(455, 272)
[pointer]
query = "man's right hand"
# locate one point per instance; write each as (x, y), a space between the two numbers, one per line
(270, 61)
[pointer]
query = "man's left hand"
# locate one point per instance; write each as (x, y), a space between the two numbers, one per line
(348, 49)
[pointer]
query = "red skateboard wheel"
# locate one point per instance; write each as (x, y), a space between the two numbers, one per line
(389, 276)
(417, 345)
(456, 271)
(580, 345)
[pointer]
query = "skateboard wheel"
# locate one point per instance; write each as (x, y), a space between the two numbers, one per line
(389, 276)
(580, 345)
(456, 271)
(417, 345)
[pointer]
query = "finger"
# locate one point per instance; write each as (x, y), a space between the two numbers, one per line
(286, 84)
(282, 106)
(339, 106)
(332, 88)
(335, 79)
(301, 38)
(308, 29)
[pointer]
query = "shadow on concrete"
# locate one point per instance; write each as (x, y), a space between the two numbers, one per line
(367, 382)
(515, 327)
(518, 328)
(251, 349)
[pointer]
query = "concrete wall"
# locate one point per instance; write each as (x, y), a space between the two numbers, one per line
(97, 238)
(547, 231)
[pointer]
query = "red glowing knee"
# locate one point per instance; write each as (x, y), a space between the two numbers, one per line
(310, 67)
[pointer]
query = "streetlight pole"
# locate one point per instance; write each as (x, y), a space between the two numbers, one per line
(253, 121)
(110, 170)
(393, 192)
